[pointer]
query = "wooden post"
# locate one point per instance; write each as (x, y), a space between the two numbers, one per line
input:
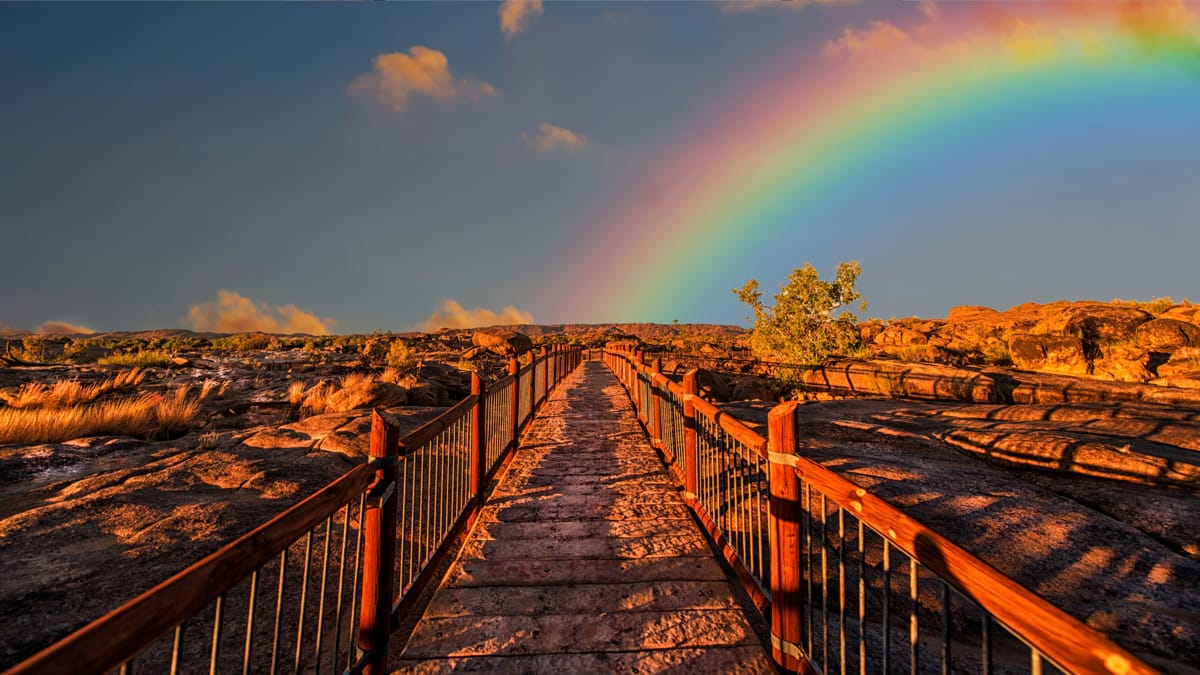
(514, 369)
(655, 413)
(478, 449)
(784, 529)
(379, 547)
(691, 470)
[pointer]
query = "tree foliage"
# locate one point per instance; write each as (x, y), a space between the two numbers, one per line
(805, 324)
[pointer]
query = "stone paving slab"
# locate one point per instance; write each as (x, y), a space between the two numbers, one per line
(586, 632)
(731, 660)
(647, 596)
(585, 559)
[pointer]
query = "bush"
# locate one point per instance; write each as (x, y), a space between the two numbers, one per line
(140, 359)
(803, 327)
(400, 356)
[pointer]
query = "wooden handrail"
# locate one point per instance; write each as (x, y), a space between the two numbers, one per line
(118, 636)
(1061, 637)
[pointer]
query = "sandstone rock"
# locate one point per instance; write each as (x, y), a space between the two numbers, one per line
(1165, 335)
(711, 350)
(712, 386)
(1124, 363)
(181, 362)
(474, 353)
(1094, 321)
(502, 341)
(1048, 353)
(1183, 360)
(868, 330)
(897, 336)
(1188, 313)
(971, 314)
(750, 389)
(367, 395)
(376, 349)
(1183, 380)
(428, 394)
(902, 380)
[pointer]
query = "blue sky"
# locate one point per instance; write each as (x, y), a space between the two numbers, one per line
(155, 154)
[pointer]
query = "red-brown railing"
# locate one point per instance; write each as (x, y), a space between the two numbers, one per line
(847, 581)
(343, 564)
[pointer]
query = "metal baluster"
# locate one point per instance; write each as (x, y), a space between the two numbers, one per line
(1035, 662)
(808, 563)
(176, 650)
(279, 610)
(842, 589)
(358, 551)
(886, 613)
(824, 586)
(945, 628)
(341, 584)
(303, 601)
(321, 602)
(216, 634)
(862, 601)
(248, 649)
(985, 644)
(913, 630)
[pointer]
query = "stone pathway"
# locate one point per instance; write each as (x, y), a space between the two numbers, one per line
(585, 559)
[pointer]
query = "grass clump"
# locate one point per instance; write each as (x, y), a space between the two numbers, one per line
(400, 355)
(66, 393)
(148, 416)
(139, 359)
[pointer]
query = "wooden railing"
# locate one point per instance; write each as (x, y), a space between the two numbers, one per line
(343, 564)
(847, 581)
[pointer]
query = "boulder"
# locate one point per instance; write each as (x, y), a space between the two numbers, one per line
(375, 349)
(1048, 353)
(1094, 321)
(868, 330)
(1165, 335)
(428, 394)
(898, 336)
(1183, 360)
(474, 353)
(902, 380)
(502, 341)
(971, 314)
(1188, 313)
(712, 386)
(1124, 363)
(367, 395)
(750, 389)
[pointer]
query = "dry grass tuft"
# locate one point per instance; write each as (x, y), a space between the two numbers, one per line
(67, 393)
(146, 416)
(296, 393)
(316, 399)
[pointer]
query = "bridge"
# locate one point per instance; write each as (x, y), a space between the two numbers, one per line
(587, 514)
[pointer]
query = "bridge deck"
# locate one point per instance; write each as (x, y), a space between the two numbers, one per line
(585, 559)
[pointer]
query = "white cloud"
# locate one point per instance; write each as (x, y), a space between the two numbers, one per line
(235, 313)
(515, 15)
(398, 76)
(550, 138)
(453, 315)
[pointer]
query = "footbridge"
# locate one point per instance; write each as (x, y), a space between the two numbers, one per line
(587, 513)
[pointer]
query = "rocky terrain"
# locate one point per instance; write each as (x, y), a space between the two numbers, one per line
(1076, 423)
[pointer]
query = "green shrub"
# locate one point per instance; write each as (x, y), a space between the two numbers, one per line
(805, 324)
(139, 359)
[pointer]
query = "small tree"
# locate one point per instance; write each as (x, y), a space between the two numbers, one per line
(802, 327)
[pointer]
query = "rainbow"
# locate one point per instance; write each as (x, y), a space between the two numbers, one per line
(785, 144)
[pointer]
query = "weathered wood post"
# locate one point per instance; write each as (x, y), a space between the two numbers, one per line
(655, 413)
(478, 447)
(691, 469)
(514, 369)
(784, 531)
(379, 547)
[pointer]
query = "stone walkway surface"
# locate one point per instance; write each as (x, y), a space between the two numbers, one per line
(585, 559)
